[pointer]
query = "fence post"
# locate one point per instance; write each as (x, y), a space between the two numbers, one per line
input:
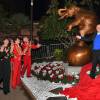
(47, 47)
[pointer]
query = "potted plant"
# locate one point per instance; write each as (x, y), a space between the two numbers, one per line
(58, 54)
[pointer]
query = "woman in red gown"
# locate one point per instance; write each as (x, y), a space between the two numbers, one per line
(27, 46)
(16, 68)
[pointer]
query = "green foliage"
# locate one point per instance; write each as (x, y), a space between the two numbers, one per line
(70, 2)
(3, 19)
(19, 21)
(3, 13)
(70, 79)
(58, 54)
(90, 4)
(12, 23)
(52, 27)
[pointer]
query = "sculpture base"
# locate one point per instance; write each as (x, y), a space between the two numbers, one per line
(79, 54)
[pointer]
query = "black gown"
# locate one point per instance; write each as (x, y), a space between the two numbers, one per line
(5, 71)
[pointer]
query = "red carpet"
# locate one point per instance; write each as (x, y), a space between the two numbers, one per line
(87, 88)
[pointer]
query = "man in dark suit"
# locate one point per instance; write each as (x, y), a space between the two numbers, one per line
(96, 49)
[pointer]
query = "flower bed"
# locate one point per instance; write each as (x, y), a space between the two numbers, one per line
(54, 72)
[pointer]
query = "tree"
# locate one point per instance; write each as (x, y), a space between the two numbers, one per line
(3, 18)
(90, 4)
(3, 13)
(19, 21)
(14, 23)
(52, 27)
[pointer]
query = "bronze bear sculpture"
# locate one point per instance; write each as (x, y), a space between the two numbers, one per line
(80, 53)
(84, 19)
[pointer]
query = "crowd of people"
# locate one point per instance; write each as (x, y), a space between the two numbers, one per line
(15, 60)
(13, 52)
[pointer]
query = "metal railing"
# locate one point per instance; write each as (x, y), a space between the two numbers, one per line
(46, 51)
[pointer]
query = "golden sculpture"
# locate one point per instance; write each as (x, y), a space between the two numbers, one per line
(84, 19)
(79, 54)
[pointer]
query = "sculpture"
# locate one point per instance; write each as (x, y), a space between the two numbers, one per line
(79, 54)
(84, 19)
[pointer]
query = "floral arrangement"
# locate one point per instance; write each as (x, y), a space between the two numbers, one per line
(54, 72)
(73, 78)
(50, 71)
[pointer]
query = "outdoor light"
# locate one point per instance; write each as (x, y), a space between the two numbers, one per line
(31, 34)
(31, 2)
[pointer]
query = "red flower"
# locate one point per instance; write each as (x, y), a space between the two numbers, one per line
(70, 78)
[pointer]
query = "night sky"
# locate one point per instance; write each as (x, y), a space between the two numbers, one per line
(40, 7)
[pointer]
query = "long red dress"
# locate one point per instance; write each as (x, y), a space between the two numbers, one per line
(27, 57)
(16, 68)
(87, 88)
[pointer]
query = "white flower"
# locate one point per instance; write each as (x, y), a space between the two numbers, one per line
(38, 70)
(67, 96)
(38, 66)
(64, 73)
(97, 69)
(48, 68)
(55, 64)
(61, 62)
(88, 72)
(72, 99)
(53, 82)
(51, 75)
(50, 71)
(60, 76)
(57, 72)
(60, 66)
(44, 74)
(59, 81)
(73, 73)
(76, 73)
(35, 64)
(75, 99)
(73, 83)
(76, 76)
(41, 66)
(54, 68)
(44, 71)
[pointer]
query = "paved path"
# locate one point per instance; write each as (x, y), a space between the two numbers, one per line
(18, 94)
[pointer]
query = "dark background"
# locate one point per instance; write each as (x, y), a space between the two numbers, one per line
(39, 9)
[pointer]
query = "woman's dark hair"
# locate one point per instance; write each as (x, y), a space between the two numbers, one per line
(1, 43)
(15, 38)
